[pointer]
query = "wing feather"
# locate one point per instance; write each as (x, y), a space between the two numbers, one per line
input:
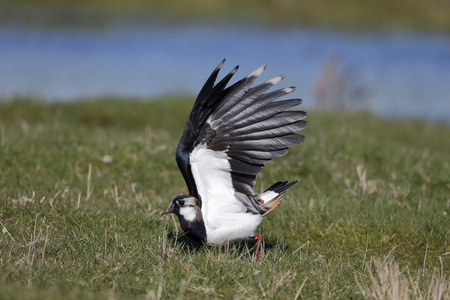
(262, 102)
(275, 143)
(271, 133)
(268, 111)
(286, 118)
(261, 157)
(243, 167)
(209, 97)
(234, 99)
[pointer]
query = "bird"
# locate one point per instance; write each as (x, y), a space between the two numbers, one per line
(230, 134)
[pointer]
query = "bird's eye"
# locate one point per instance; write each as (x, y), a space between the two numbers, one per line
(180, 202)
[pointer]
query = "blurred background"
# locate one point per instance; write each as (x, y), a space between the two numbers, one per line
(389, 57)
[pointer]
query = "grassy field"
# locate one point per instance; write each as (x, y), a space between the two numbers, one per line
(82, 186)
(348, 14)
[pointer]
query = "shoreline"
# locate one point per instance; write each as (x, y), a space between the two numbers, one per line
(405, 15)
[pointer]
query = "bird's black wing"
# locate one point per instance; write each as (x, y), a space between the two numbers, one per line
(245, 124)
(208, 99)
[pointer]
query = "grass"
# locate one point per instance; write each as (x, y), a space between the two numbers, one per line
(348, 14)
(82, 186)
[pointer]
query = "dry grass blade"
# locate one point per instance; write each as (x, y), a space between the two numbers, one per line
(386, 281)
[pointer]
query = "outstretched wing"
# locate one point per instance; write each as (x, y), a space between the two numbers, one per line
(231, 133)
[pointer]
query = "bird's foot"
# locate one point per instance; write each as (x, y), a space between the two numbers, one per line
(258, 238)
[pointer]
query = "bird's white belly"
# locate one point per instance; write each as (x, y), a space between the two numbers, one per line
(229, 227)
(224, 215)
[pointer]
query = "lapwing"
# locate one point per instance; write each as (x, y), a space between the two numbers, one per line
(230, 134)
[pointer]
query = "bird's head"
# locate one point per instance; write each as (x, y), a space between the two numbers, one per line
(184, 206)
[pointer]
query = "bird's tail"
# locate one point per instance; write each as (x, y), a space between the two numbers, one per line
(271, 198)
(272, 204)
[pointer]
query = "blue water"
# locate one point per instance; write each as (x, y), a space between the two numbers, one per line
(394, 74)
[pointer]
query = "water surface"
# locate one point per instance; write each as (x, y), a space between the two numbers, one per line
(394, 74)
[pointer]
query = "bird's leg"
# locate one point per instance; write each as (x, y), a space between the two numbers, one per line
(258, 238)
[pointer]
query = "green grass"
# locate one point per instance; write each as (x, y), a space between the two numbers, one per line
(348, 14)
(373, 198)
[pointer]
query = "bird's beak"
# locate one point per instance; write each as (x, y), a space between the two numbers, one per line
(169, 210)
